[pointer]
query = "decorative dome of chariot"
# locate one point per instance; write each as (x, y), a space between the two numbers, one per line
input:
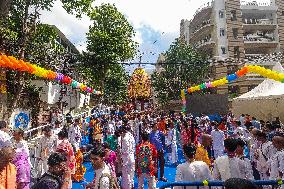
(139, 86)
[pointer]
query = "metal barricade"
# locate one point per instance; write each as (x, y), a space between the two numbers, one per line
(213, 184)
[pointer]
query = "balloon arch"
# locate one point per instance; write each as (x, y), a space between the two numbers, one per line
(10, 62)
(230, 78)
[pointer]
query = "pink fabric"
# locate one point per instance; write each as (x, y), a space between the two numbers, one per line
(66, 147)
(23, 169)
(110, 160)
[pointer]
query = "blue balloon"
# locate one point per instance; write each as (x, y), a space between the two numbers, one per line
(232, 77)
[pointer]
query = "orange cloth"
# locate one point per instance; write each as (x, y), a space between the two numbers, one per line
(222, 127)
(162, 126)
(98, 132)
(8, 177)
(202, 155)
(80, 169)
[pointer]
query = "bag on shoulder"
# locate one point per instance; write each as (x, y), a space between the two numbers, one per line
(112, 181)
(39, 183)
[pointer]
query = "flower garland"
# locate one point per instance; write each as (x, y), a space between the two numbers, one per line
(12, 63)
(139, 86)
(230, 78)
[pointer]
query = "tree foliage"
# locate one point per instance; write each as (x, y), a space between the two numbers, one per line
(115, 87)
(183, 67)
(110, 38)
(109, 41)
(23, 35)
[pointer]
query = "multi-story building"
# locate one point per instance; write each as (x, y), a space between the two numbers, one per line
(64, 42)
(232, 32)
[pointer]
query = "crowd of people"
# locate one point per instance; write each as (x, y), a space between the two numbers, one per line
(122, 145)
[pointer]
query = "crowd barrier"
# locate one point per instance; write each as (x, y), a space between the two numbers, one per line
(212, 184)
(38, 130)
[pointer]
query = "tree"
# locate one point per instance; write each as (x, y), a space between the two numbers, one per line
(110, 38)
(115, 87)
(4, 8)
(183, 66)
(23, 36)
(109, 41)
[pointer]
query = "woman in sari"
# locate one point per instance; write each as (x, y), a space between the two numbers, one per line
(66, 148)
(21, 161)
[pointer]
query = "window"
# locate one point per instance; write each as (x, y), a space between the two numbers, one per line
(221, 14)
(235, 33)
(222, 32)
(237, 52)
(223, 50)
(233, 15)
(282, 13)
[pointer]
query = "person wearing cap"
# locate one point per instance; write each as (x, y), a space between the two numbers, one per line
(5, 138)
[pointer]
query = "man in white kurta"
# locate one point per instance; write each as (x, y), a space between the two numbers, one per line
(192, 171)
(46, 145)
(277, 160)
(263, 154)
(5, 138)
(229, 166)
(74, 134)
(218, 142)
(128, 159)
(172, 139)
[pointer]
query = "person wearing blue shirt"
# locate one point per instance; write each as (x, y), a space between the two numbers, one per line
(157, 138)
(255, 123)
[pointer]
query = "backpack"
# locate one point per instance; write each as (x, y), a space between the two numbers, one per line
(112, 181)
(145, 158)
(39, 183)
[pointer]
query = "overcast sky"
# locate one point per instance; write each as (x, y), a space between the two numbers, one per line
(153, 20)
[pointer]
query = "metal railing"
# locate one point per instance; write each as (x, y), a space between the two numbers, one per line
(38, 130)
(211, 184)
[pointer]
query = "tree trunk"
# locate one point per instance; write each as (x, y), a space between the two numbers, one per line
(20, 76)
(4, 8)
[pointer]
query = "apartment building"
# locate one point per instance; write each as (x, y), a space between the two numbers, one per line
(233, 33)
(64, 42)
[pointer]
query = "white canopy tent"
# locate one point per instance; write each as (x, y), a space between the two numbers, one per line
(266, 101)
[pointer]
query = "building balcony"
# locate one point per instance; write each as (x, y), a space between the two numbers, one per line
(207, 44)
(254, 3)
(260, 41)
(245, 5)
(205, 7)
(201, 31)
(258, 24)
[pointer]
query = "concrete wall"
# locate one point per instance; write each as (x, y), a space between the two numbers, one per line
(208, 104)
(219, 5)
(51, 94)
